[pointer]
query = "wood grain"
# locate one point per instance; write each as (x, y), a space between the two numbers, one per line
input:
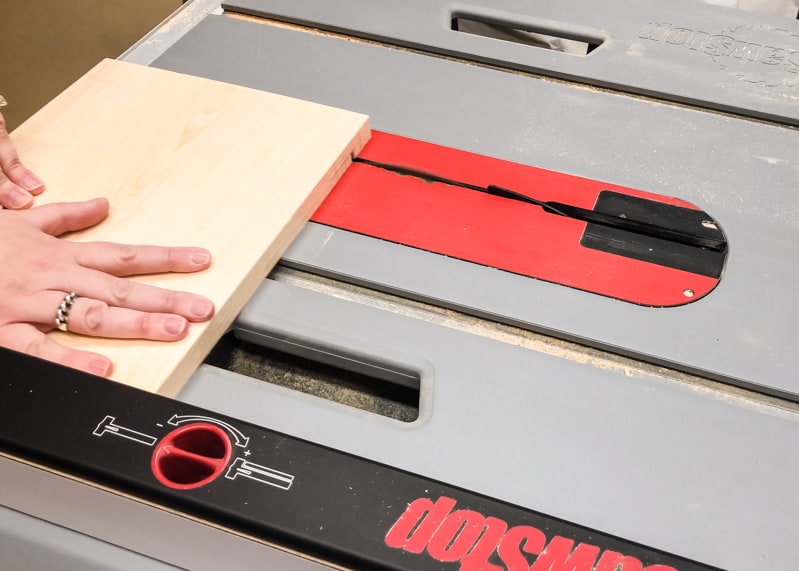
(187, 161)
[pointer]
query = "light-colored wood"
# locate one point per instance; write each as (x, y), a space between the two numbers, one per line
(187, 161)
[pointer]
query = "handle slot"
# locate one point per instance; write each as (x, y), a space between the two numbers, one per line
(538, 35)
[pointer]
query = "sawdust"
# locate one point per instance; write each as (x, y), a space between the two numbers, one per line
(545, 344)
(327, 382)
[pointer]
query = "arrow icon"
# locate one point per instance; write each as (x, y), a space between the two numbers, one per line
(239, 438)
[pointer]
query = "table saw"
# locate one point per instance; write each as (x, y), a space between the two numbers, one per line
(568, 275)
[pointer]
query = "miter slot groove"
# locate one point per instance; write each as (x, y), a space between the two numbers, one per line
(466, 320)
(392, 394)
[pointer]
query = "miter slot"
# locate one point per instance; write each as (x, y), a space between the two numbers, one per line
(374, 387)
(547, 36)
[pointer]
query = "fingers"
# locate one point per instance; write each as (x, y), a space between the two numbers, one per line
(60, 217)
(95, 318)
(102, 259)
(27, 339)
(126, 260)
(18, 184)
(122, 292)
(115, 259)
(12, 196)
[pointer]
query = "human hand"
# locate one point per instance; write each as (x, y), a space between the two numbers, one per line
(18, 185)
(39, 269)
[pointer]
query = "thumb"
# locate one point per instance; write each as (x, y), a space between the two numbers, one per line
(60, 217)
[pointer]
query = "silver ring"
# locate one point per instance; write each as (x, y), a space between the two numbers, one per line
(62, 315)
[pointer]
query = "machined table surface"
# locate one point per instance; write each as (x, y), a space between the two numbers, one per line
(686, 457)
(666, 444)
(741, 171)
(683, 51)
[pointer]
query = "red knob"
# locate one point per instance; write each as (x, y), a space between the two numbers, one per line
(191, 456)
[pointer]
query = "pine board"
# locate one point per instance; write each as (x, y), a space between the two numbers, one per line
(187, 161)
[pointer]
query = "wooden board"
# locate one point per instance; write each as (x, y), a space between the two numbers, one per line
(187, 161)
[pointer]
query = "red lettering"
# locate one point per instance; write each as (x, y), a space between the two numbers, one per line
(522, 538)
(558, 556)
(614, 561)
(477, 558)
(456, 536)
(413, 530)
(472, 539)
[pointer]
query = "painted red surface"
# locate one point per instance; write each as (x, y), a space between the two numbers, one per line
(437, 530)
(492, 231)
(191, 456)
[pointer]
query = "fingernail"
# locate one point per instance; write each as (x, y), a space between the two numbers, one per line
(31, 182)
(99, 367)
(202, 308)
(20, 198)
(200, 257)
(175, 325)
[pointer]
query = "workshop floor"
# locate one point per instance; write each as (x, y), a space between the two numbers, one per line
(46, 45)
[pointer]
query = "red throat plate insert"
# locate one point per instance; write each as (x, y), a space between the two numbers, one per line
(400, 190)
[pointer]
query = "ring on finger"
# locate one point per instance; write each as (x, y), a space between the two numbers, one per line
(62, 313)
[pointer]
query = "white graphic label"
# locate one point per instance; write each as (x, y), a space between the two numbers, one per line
(107, 426)
(239, 439)
(247, 469)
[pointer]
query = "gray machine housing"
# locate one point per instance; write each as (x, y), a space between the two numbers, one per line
(702, 466)
(742, 172)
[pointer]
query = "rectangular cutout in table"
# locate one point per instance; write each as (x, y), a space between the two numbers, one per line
(187, 161)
